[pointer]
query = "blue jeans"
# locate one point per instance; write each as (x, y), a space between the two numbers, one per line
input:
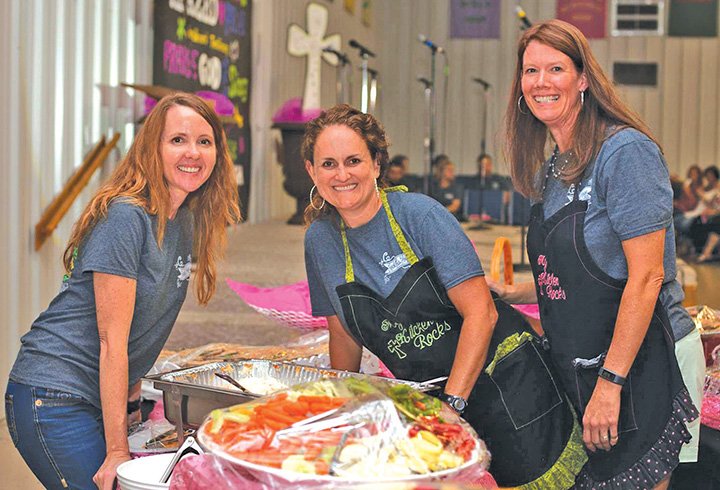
(59, 435)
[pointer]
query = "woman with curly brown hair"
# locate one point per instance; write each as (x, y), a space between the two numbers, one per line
(395, 273)
(128, 266)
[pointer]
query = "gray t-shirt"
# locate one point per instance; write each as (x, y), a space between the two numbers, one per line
(377, 259)
(629, 194)
(61, 351)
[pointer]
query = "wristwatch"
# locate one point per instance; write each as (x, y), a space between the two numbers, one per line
(457, 403)
(133, 406)
(611, 376)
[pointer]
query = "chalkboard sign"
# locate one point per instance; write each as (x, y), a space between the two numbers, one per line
(203, 47)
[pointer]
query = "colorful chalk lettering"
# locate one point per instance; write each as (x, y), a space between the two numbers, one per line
(218, 44)
(209, 71)
(180, 60)
(234, 21)
(205, 11)
(195, 36)
(238, 85)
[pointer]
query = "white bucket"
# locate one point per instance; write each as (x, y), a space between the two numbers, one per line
(144, 473)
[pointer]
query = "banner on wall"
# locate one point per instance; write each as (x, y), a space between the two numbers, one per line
(475, 19)
(693, 18)
(590, 16)
(204, 48)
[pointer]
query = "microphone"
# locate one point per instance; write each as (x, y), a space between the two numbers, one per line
(427, 42)
(522, 16)
(339, 55)
(363, 50)
(482, 82)
(425, 82)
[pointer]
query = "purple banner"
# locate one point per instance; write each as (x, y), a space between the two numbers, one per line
(475, 19)
(590, 16)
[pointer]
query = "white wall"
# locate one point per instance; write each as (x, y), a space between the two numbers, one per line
(682, 110)
(57, 56)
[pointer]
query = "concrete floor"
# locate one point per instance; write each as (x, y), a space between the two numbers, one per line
(271, 254)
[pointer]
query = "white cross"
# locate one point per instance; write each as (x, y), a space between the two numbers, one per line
(311, 44)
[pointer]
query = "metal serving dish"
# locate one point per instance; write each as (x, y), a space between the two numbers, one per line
(190, 394)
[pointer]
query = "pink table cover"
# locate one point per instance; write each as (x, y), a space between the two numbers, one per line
(207, 471)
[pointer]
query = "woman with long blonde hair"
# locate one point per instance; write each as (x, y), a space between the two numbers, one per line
(76, 379)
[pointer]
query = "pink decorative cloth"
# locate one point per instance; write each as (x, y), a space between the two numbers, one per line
(291, 112)
(289, 305)
(710, 413)
(206, 471)
(531, 310)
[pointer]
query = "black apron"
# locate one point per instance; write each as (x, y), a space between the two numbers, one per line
(516, 405)
(579, 304)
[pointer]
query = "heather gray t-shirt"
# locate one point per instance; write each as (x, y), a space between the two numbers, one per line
(377, 259)
(61, 350)
(629, 194)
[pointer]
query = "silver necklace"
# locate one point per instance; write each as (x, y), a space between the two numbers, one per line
(557, 168)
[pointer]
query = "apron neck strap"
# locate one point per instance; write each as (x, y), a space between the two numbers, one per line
(396, 230)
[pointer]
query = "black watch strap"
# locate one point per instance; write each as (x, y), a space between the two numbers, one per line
(457, 403)
(611, 376)
(133, 406)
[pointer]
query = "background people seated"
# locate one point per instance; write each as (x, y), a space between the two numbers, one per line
(445, 190)
(397, 168)
(691, 190)
(488, 179)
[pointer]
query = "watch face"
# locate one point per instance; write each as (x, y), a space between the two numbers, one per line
(459, 404)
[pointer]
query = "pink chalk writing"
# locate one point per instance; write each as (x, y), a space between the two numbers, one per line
(549, 283)
(180, 60)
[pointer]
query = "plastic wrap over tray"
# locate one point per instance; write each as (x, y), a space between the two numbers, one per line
(343, 432)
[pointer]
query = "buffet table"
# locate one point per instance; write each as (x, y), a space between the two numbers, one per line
(207, 471)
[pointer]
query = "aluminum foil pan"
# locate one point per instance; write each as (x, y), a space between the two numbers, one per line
(190, 394)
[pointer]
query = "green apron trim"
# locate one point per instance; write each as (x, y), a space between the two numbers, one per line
(397, 233)
(508, 345)
(561, 475)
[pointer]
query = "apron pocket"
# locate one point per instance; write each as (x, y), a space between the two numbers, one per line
(527, 388)
(586, 376)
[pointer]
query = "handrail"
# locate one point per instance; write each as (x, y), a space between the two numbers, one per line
(60, 205)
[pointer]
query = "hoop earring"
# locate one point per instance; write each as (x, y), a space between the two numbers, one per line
(316, 208)
(519, 106)
(582, 98)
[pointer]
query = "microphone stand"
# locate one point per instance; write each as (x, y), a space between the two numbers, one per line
(427, 146)
(365, 54)
(373, 90)
(483, 178)
(433, 113)
(342, 85)
(364, 83)
(430, 153)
